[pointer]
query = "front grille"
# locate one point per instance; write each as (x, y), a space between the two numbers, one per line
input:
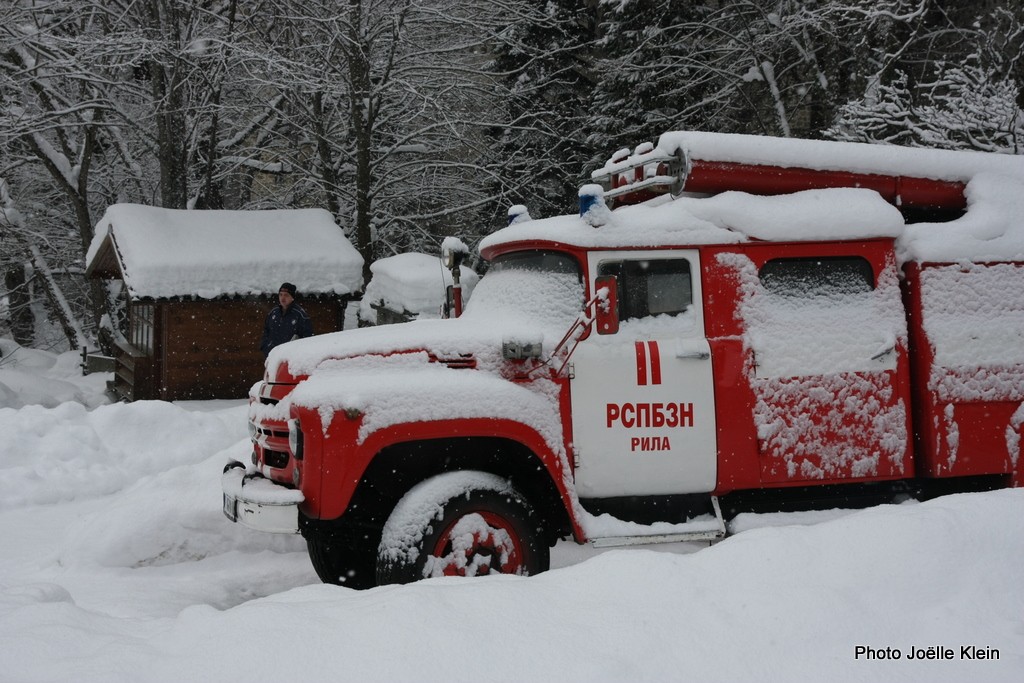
(267, 401)
(270, 432)
(462, 362)
(275, 459)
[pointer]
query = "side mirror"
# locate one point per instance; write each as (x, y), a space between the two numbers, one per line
(453, 252)
(606, 310)
(449, 301)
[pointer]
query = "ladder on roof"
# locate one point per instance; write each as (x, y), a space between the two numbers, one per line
(649, 172)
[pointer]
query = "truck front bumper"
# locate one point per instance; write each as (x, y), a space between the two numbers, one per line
(259, 503)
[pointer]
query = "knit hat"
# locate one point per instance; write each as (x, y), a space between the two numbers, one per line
(288, 287)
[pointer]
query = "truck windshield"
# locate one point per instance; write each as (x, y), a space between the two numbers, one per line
(534, 288)
(538, 261)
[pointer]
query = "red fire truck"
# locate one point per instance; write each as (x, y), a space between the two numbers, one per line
(731, 322)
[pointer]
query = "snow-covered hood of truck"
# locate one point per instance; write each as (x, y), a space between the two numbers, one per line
(406, 388)
(443, 339)
(389, 374)
(519, 305)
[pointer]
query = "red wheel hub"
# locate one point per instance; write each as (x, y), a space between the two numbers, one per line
(476, 544)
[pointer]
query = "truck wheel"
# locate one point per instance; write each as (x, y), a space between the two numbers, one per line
(461, 524)
(341, 557)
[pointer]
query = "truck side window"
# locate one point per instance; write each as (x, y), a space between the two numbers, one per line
(825, 276)
(651, 287)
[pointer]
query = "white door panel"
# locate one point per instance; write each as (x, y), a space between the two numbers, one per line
(643, 403)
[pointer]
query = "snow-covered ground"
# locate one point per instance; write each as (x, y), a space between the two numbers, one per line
(117, 565)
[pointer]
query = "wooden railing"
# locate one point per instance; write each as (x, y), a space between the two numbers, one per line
(133, 374)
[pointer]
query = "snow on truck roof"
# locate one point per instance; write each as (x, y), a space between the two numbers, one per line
(725, 218)
(162, 253)
(992, 229)
(854, 157)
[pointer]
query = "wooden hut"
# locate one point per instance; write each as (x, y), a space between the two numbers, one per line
(199, 284)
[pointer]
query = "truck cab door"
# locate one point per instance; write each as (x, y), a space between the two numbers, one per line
(643, 397)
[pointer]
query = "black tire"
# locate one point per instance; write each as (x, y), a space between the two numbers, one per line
(343, 556)
(462, 524)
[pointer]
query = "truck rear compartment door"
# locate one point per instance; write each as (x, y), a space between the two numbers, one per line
(826, 341)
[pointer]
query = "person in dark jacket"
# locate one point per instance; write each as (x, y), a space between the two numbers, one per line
(286, 321)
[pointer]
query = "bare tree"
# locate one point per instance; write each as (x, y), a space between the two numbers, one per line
(956, 82)
(110, 101)
(20, 319)
(380, 111)
(53, 115)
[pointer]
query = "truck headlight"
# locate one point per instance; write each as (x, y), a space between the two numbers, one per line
(252, 430)
(295, 438)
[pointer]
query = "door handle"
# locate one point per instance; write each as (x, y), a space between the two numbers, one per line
(884, 352)
(694, 355)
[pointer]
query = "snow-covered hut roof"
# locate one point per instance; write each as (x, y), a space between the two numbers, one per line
(165, 253)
